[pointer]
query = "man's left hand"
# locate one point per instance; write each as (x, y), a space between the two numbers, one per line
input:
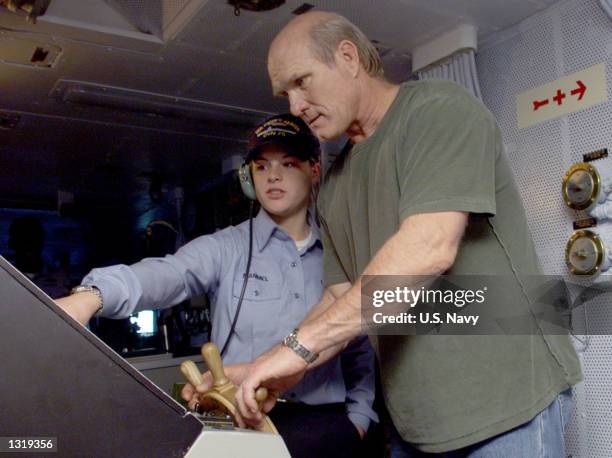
(278, 369)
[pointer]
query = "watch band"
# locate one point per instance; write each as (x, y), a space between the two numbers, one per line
(293, 343)
(90, 289)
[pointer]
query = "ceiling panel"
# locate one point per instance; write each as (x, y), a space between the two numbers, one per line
(216, 57)
(219, 57)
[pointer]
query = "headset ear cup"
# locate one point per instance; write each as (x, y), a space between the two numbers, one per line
(246, 181)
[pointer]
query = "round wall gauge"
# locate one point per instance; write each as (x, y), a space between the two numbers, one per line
(581, 186)
(585, 253)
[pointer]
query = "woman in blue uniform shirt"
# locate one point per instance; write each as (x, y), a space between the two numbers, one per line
(330, 410)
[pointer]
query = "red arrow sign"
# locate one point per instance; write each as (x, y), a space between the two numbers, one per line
(568, 94)
(581, 89)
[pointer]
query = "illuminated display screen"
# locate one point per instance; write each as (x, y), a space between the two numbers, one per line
(146, 321)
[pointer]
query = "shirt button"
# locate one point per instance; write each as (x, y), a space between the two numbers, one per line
(293, 264)
(256, 293)
(296, 295)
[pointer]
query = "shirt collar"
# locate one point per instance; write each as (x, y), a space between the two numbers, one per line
(264, 228)
(316, 232)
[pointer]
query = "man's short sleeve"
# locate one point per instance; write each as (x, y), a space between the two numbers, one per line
(333, 273)
(447, 159)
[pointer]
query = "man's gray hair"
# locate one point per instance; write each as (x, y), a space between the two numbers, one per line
(327, 35)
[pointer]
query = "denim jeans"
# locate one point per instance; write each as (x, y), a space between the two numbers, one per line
(542, 437)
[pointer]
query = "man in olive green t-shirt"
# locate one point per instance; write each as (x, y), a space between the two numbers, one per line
(422, 189)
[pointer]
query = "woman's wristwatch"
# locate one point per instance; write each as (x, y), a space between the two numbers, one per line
(89, 289)
(293, 343)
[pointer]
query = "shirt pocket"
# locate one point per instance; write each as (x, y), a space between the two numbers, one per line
(257, 290)
(260, 312)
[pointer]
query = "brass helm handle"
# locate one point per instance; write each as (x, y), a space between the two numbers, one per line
(210, 353)
(261, 394)
(191, 373)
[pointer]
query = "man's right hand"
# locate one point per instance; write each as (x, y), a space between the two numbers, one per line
(235, 372)
(80, 306)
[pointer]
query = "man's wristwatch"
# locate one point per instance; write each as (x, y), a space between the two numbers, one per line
(292, 342)
(89, 289)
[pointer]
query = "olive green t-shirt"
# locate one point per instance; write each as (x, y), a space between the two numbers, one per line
(439, 149)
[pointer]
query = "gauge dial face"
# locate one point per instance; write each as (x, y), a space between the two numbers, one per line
(581, 185)
(584, 253)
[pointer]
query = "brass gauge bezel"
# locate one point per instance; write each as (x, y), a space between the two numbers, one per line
(600, 250)
(596, 179)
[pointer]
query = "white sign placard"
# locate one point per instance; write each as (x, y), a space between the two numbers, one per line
(574, 92)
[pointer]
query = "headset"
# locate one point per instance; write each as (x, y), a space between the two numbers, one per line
(248, 188)
(246, 181)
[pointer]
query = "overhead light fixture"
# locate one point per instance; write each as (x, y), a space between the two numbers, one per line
(148, 103)
(254, 5)
(32, 8)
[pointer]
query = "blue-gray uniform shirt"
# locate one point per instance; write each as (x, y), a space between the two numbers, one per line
(283, 286)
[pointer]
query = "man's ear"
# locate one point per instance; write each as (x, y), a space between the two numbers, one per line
(348, 57)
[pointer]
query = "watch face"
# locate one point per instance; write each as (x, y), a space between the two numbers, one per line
(581, 185)
(584, 253)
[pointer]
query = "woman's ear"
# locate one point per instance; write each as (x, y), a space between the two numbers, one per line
(316, 173)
